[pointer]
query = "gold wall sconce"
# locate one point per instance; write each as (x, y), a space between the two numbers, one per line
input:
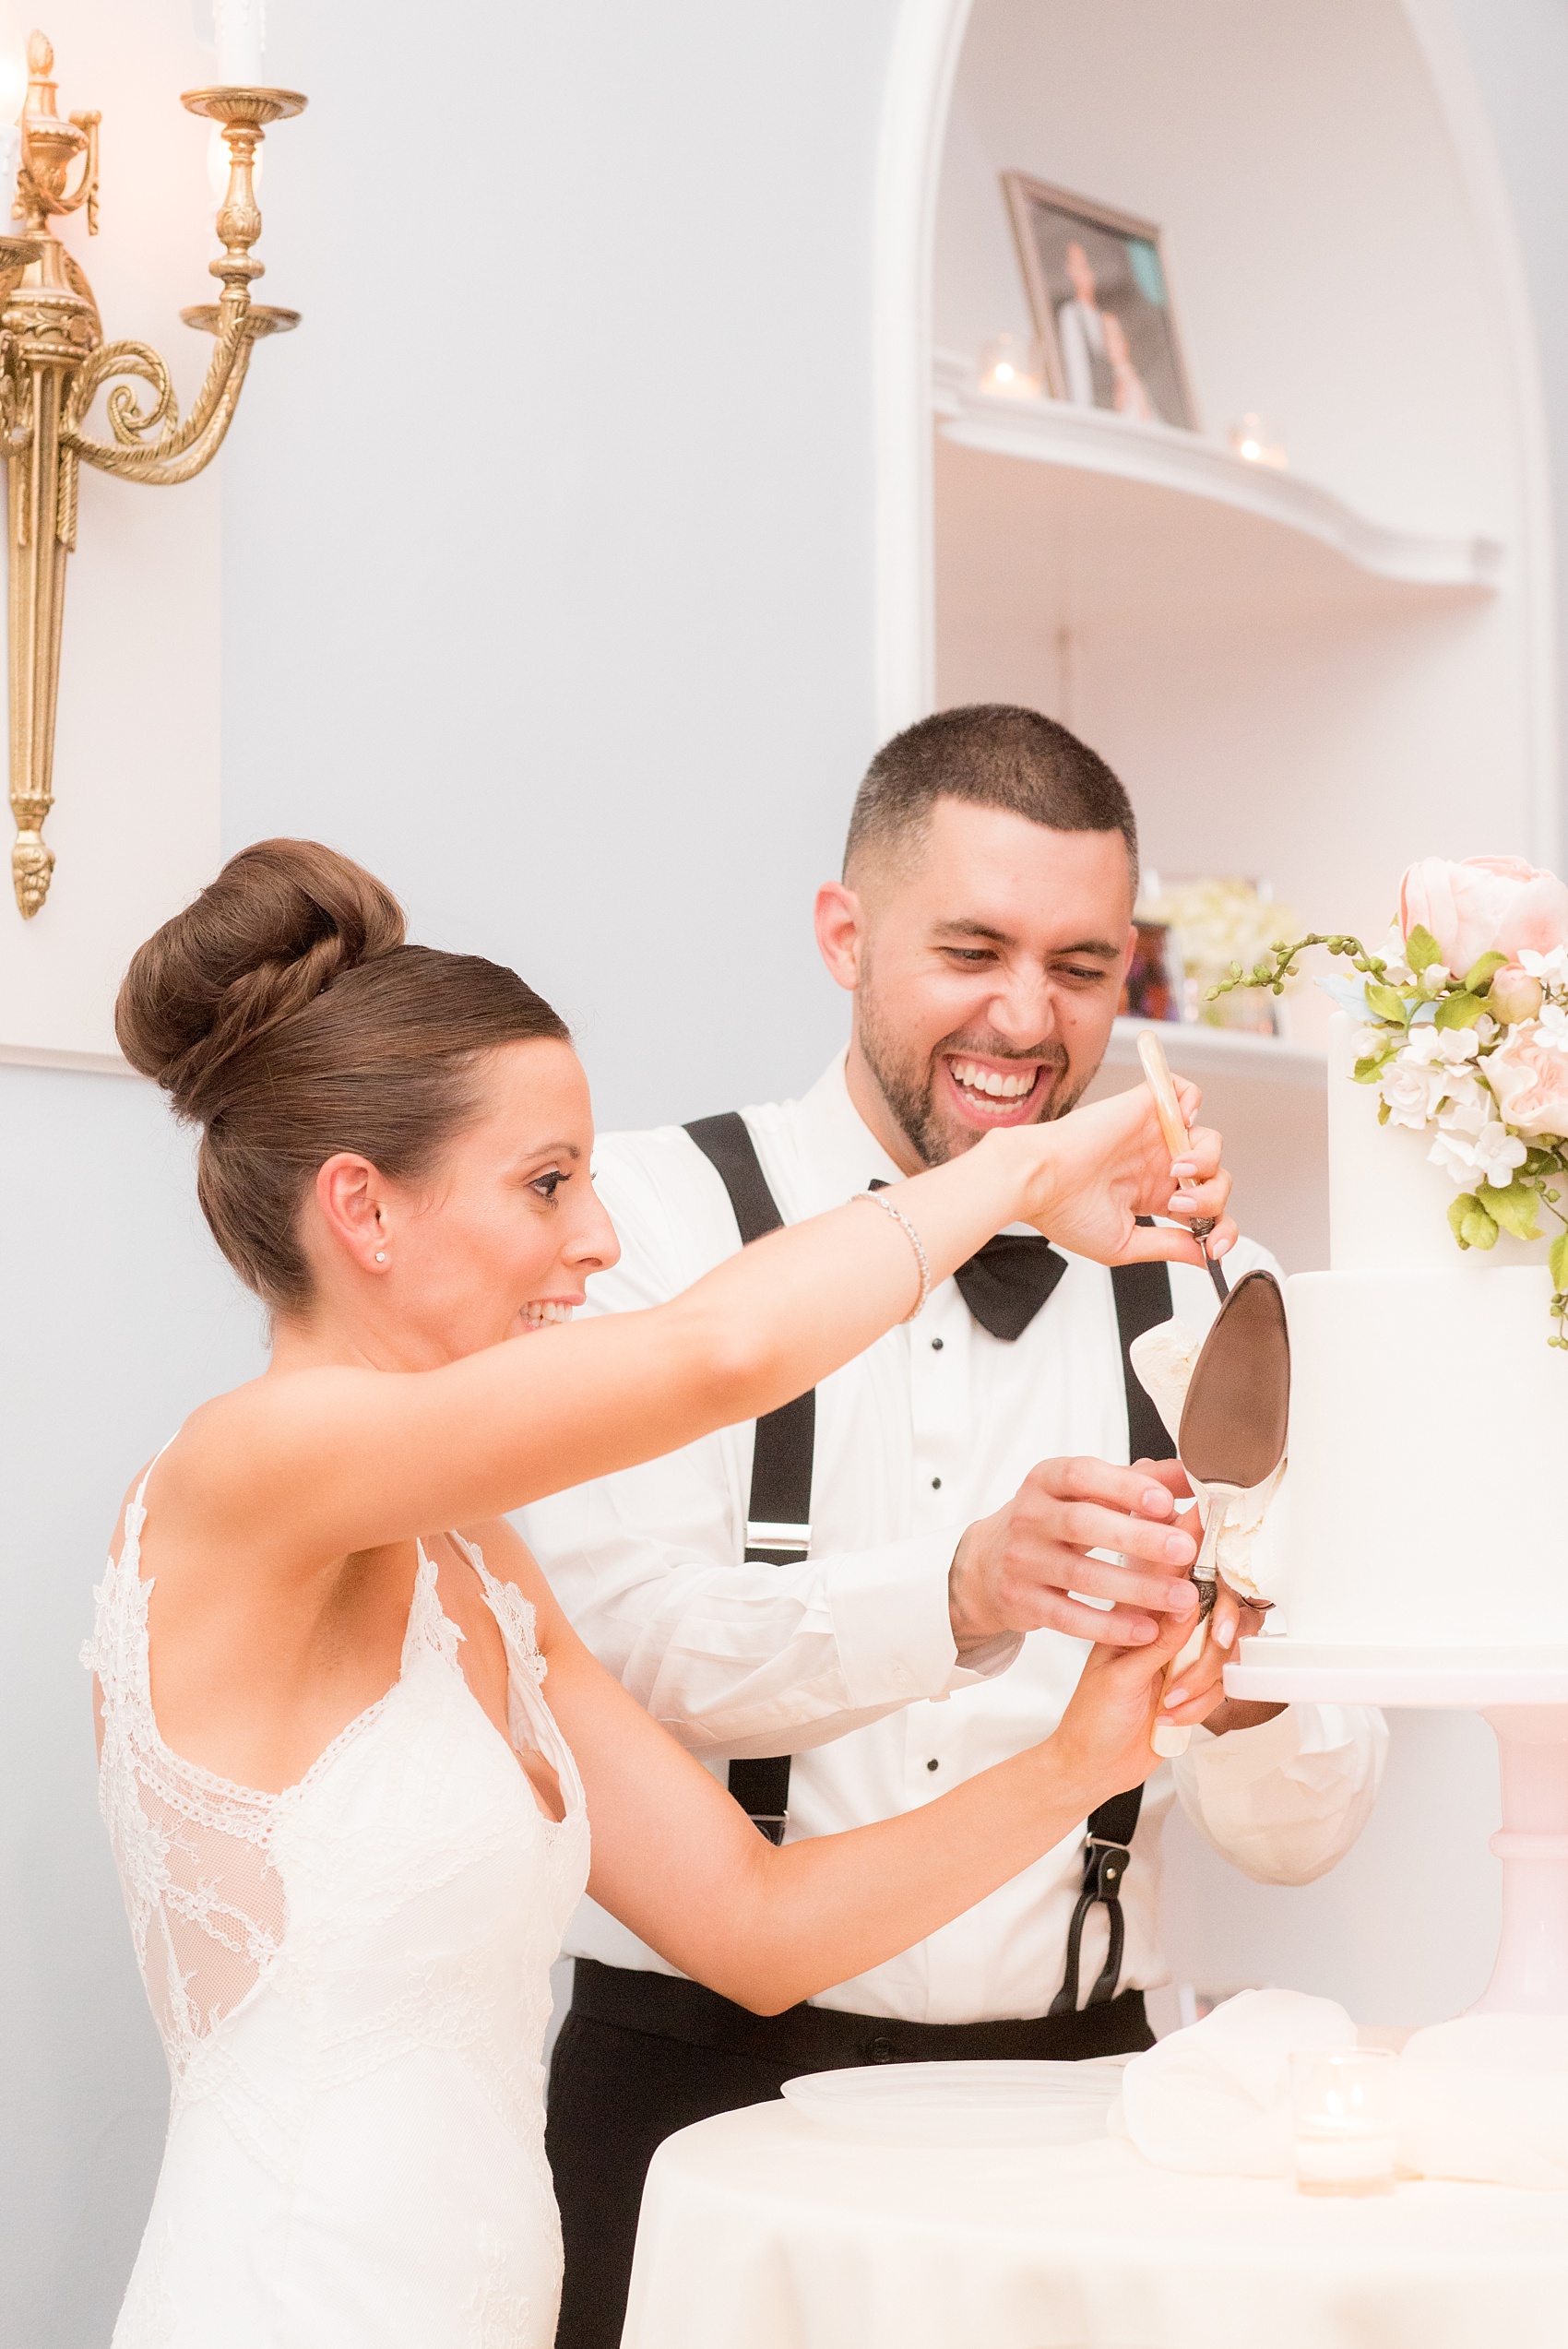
(54, 363)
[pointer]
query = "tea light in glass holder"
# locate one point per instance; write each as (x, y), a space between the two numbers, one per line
(1346, 2119)
(1009, 370)
(1256, 443)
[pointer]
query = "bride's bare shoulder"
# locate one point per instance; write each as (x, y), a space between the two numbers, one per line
(247, 1431)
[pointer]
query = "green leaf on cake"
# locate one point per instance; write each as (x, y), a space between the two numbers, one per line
(1514, 1209)
(1459, 1011)
(1470, 1224)
(1368, 1070)
(1558, 1262)
(1382, 1113)
(1386, 1002)
(1478, 978)
(1421, 950)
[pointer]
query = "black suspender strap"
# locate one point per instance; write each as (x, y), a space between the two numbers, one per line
(778, 1511)
(1142, 1301)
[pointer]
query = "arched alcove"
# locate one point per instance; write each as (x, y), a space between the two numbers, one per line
(1310, 676)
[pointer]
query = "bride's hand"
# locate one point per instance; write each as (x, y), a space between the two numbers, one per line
(1101, 1167)
(1104, 1741)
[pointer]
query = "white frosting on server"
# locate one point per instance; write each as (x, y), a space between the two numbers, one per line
(1429, 1417)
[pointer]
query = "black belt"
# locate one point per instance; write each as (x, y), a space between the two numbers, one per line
(811, 2038)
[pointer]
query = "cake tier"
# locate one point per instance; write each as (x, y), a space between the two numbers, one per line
(1424, 1502)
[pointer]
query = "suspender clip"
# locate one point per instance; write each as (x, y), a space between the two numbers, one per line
(761, 1535)
(1104, 1866)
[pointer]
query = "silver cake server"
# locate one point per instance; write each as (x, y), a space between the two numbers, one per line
(1231, 1440)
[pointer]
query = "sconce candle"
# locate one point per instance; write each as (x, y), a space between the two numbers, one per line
(241, 27)
(54, 363)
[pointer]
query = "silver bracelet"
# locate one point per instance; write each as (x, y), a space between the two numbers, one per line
(879, 1199)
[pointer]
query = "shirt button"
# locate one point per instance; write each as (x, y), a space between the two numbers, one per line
(936, 1484)
(934, 1765)
(936, 1346)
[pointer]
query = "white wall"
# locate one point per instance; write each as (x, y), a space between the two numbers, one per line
(558, 612)
(1517, 51)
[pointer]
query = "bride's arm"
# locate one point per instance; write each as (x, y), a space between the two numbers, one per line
(336, 1459)
(677, 1860)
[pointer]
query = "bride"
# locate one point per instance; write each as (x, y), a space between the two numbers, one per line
(348, 1824)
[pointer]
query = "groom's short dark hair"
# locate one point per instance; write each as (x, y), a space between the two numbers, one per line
(993, 755)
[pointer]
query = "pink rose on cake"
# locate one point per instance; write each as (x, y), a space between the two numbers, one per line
(1515, 994)
(1528, 1076)
(1483, 905)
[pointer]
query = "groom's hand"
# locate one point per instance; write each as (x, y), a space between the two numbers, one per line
(1017, 1570)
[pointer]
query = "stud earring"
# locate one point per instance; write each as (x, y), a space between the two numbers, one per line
(381, 1255)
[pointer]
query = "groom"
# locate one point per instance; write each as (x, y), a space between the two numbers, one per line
(881, 1590)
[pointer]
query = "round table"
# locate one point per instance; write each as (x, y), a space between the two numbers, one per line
(761, 2230)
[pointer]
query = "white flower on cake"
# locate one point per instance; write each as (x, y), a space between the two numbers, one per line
(1434, 1047)
(1490, 1156)
(1464, 1035)
(1551, 970)
(1468, 1106)
(1411, 1093)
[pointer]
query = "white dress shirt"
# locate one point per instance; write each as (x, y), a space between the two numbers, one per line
(846, 1661)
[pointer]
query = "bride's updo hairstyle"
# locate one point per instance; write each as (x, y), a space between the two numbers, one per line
(286, 1016)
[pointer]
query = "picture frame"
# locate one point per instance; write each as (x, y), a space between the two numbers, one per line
(1099, 292)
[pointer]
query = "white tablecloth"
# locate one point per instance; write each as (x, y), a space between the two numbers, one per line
(760, 2230)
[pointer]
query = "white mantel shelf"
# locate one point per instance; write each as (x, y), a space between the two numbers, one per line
(1198, 1052)
(49, 1056)
(1091, 440)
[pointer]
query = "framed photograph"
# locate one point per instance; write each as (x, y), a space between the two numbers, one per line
(1101, 305)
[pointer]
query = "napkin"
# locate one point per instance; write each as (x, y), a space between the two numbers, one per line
(1164, 1359)
(1487, 2097)
(1216, 2097)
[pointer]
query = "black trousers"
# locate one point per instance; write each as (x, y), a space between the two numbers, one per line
(641, 2056)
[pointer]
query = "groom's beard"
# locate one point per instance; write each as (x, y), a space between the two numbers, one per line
(908, 1085)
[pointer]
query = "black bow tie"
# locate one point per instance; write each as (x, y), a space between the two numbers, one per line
(1005, 1283)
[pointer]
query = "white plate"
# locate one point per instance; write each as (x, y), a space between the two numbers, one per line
(961, 2103)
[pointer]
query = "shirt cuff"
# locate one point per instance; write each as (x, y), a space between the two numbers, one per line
(1252, 1751)
(985, 1660)
(890, 1618)
(1290, 1743)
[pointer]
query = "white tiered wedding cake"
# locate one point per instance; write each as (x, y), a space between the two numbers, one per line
(1428, 1425)
(1420, 1553)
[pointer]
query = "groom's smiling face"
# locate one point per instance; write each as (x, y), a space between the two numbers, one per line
(987, 958)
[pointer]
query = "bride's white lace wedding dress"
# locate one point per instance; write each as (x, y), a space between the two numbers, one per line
(352, 1980)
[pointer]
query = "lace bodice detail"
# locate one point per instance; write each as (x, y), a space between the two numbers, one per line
(401, 1905)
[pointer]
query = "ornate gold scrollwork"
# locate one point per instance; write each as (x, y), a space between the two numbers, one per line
(54, 364)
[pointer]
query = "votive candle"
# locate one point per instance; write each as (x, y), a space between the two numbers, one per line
(1346, 2119)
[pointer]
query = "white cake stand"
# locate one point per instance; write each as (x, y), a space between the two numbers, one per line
(1523, 1692)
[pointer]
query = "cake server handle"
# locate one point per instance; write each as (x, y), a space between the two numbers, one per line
(1171, 1739)
(1178, 1141)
